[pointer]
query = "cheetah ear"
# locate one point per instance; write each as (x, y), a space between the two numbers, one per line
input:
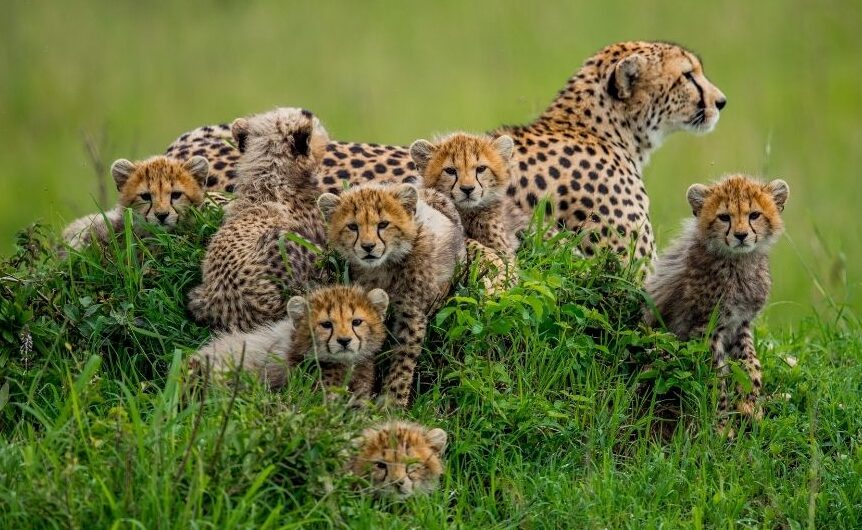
(408, 196)
(421, 151)
(624, 76)
(302, 142)
(363, 438)
(327, 203)
(297, 308)
(505, 146)
(379, 299)
(696, 195)
(121, 170)
(198, 167)
(779, 190)
(239, 131)
(437, 438)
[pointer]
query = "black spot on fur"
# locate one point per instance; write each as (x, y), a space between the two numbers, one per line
(540, 182)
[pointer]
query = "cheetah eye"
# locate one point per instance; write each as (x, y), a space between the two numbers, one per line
(382, 224)
(146, 196)
(357, 322)
(353, 227)
(380, 465)
(481, 169)
(450, 171)
(689, 75)
(753, 215)
(326, 324)
(175, 195)
(724, 217)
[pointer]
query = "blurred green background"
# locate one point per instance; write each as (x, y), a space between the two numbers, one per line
(131, 76)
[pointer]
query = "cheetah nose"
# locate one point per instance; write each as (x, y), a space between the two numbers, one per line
(468, 190)
(344, 341)
(740, 235)
(162, 217)
(720, 103)
(367, 247)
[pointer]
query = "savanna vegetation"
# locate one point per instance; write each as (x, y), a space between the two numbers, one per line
(552, 421)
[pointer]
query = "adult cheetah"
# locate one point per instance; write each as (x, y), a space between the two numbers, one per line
(586, 152)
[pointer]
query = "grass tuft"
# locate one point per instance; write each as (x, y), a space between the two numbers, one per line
(562, 410)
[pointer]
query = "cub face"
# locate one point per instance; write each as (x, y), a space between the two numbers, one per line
(739, 215)
(668, 82)
(472, 170)
(400, 459)
(371, 225)
(344, 323)
(160, 189)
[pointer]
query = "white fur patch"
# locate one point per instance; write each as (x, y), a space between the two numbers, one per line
(437, 223)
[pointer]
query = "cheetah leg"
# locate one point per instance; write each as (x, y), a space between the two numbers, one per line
(409, 331)
(331, 375)
(362, 380)
(719, 359)
(498, 274)
(744, 351)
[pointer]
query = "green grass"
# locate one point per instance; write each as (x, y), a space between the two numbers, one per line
(133, 76)
(550, 423)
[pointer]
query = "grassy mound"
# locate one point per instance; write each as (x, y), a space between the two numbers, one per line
(552, 421)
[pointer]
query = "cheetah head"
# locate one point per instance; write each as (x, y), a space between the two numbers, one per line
(739, 215)
(660, 88)
(291, 132)
(400, 459)
(472, 170)
(371, 225)
(160, 189)
(345, 323)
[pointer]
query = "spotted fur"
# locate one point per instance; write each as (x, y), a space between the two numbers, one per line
(400, 459)
(341, 327)
(474, 172)
(158, 191)
(252, 261)
(586, 152)
(719, 265)
(395, 241)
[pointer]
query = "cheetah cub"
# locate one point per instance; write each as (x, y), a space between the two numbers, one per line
(340, 326)
(251, 261)
(474, 172)
(395, 241)
(400, 459)
(720, 264)
(158, 190)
